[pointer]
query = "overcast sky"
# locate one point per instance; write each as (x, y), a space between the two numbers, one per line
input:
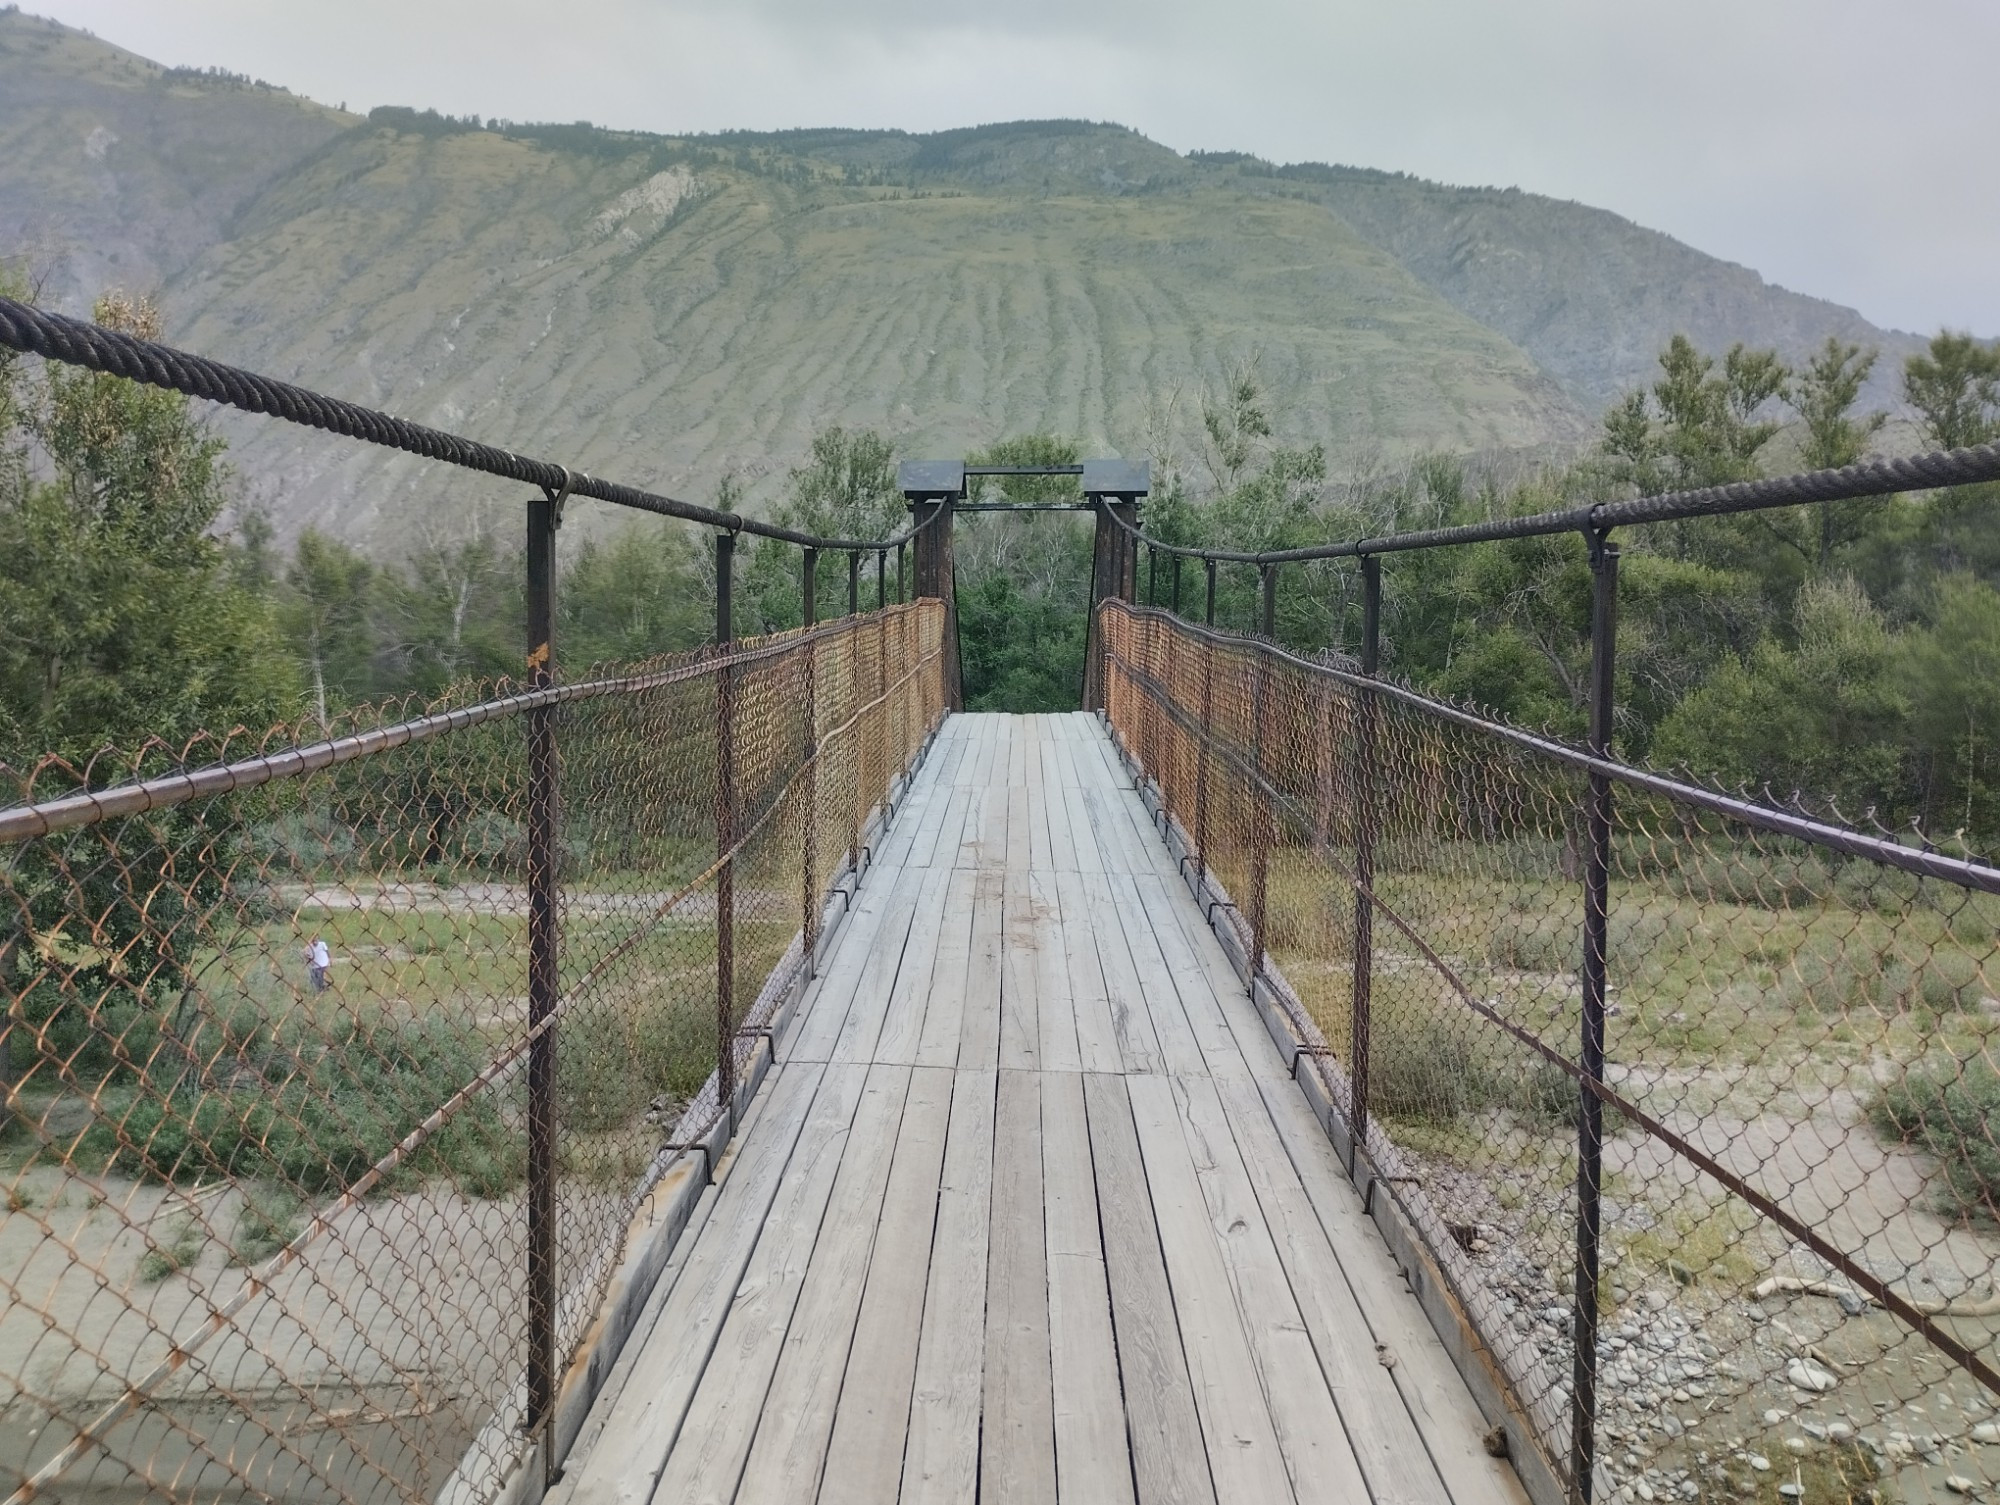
(1845, 148)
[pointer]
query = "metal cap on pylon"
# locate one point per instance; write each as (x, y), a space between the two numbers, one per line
(927, 480)
(1126, 480)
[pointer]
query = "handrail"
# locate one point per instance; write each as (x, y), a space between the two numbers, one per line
(78, 342)
(1948, 467)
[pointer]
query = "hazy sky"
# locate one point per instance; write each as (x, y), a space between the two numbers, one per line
(1845, 148)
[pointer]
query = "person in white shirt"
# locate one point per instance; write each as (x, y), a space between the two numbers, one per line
(318, 960)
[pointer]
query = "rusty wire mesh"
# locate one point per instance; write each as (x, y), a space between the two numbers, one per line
(264, 1233)
(1801, 1098)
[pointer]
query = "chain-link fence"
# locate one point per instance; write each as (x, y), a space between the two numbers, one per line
(1783, 1170)
(293, 1130)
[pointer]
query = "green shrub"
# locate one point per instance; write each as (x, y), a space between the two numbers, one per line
(178, 1251)
(271, 1218)
(1425, 1068)
(317, 1113)
(1552, 1096)
(1951, 1111)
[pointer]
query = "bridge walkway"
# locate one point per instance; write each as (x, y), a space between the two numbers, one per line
(1029, 1208)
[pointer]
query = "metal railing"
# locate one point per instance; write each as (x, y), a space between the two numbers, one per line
(352, 1078)
(293, 1224)
(1681, 1110)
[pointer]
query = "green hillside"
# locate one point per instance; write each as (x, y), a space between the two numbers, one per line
(116, 171)
(676, 311)
(673, 324)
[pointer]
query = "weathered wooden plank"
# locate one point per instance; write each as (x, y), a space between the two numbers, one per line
(862, 1029)
(1131, 1021)
(1433, 1392)
(1017, 752)
(1055, 1009)
(1206, 982)
(796, 1411)
(707, 1456)
(646, 1419)
(823, 1011)
(979, 1025)
(1017, 1438)
(1313, 1438)
(993, 838)
(917, 817)
(1093, 1461)
(909, 999)
(1243, 1454)
(864, 1458)
(1169, 1463)
(1096, 1034)
(974, 832)
(1020, 829)
(958, 808)
(1020, 976)
(1379, 1427)
(1157, 986)
(944, 1012)
(941, 1452)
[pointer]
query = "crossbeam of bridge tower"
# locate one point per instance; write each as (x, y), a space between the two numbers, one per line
(926, 484)
(1113, 489)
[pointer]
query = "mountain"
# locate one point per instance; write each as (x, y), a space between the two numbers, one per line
(673, 310)
(115, 171)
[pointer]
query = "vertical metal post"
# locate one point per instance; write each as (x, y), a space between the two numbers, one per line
(1207, 736)
(1152, 576)
(1364, 864)
(1210, 618)
(1263, 819)
(854, 582)
(543, 794)
(901, 593)
(1596, 916)
(725, 828)
(809, 774)
(881, 579)
(1267, 581)
(1177, 585)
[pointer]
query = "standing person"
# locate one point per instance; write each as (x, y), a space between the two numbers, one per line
(318, 960)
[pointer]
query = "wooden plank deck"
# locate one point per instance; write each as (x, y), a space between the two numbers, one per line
(1029, 1209)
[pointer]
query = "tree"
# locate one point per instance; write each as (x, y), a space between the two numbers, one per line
(1824, 395)
(1956, 387)
(1827, 718)
(118, 620)
(1953, 669)
(1234, 424)
(1700, 427)
(326, 611)
(639, 593)
(127, 647)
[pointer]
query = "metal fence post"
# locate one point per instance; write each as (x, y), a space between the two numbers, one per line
(881, 578)
(1152, 576)
(1207, 736)
(809, 776)
(854, 582)
(725, 829)
(1267, 580)
(543, 794)
(1177, 585)
(1590, 1119)
(1210, 619)
(1362, 996)
(901, 593)
(1263, 820)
